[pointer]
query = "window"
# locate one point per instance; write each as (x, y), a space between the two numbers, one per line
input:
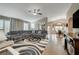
(7, 26)
(1, 24)
(32, 26)
(25, 26)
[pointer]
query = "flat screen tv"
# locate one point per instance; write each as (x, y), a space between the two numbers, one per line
(76, 19)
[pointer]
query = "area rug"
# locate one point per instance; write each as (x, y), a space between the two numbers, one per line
(31, 48)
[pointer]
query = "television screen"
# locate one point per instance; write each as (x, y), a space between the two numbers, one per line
(76, 19)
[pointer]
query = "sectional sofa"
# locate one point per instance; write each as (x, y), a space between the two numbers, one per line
(30, 35)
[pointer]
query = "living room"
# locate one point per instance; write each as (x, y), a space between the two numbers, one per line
(37, 29)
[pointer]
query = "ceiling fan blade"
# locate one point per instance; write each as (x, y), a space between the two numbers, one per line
(38, 10)
(39, 13)
(34, 10)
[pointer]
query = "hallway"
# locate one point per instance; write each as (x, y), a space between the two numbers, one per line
(55, 46)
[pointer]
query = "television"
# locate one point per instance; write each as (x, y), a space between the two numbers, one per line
(76, 19)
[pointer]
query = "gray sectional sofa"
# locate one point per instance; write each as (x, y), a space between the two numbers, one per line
(30, 35)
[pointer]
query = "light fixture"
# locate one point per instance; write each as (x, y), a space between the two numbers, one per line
(35, 12)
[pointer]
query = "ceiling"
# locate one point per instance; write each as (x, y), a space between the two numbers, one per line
(20, 10)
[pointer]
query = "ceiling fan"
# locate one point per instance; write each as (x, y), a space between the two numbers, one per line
(35, 12)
